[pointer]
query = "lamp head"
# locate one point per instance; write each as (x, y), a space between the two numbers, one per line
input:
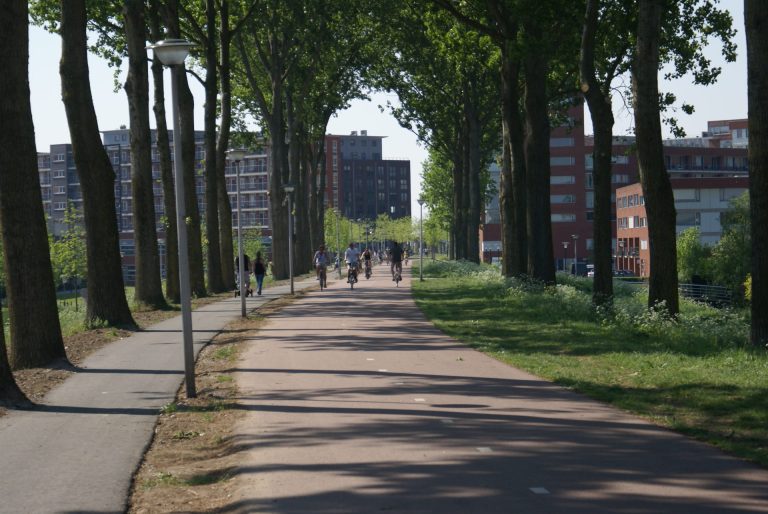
(171, 52)
(235, 154)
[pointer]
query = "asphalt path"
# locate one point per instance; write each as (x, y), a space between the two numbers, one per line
(356, 403)
(78, 450)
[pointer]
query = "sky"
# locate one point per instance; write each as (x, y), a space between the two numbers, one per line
(725, 100)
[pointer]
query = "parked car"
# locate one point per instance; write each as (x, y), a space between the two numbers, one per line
(622, 273)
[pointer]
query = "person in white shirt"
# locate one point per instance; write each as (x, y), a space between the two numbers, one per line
(352, 256)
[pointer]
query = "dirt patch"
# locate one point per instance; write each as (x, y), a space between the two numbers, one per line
(192, 458)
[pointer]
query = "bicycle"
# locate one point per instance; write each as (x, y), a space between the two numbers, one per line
(323, 278)
(352, 275)
(368, 271)
(398, 274)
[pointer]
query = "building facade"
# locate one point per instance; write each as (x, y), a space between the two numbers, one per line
(719, 153)
(362, 184)
(699, 202)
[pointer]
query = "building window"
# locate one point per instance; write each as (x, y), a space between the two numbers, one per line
(588, 181)
(688, 219)
(728, 193)
(590, 216)
(620, 179)
(563, 218)
(557, 180)
(562, 199)
(59, 157)
(643, 244)
(687, 195)
(590, 199)
(589, 162)
(562, 161)
(559, 142)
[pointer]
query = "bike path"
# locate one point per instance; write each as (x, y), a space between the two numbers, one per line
(357, 404)
(78, 450)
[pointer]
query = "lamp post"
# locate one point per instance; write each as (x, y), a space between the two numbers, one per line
(236, 156)
(575, 238)
(288, 188)
(172, 53)
(338, 241)
(621, 255)
(565, 254)
(421, 239)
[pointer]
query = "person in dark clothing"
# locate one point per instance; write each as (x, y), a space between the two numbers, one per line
(396, 258)
(246, 275)
(259, 270)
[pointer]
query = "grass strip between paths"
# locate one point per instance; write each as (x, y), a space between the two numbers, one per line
(694, 376)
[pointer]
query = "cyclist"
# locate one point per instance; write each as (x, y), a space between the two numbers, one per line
(352, 256)
(320, 260)
(396, 258)
(367, 260)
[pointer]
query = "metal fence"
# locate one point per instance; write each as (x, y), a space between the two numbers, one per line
(714, 295)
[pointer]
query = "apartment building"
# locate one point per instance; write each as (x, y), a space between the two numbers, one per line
(360, 182)
(60, 186)
(699, 202)
(719, 153)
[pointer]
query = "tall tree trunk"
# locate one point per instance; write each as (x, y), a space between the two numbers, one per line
(213, 250)
(226, 245)
(540, 251)
(298, 178)
(475, 195)
(756, 22)
(10, 394)
(34, 317)
(187, 141)
(149, 289)
(278, 178)
(512, 197)
(166, 167)
(106, 292)
(459, 219)
(602, 123)
(657, 189)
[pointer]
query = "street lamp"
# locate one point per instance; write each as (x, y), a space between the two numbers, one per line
(173, 53)
(288, 188)
(565, 254)
(421, 239)
(236, 155)
(621, 255)
(575, 238)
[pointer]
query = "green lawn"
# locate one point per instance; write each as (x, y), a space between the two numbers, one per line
(697, 375)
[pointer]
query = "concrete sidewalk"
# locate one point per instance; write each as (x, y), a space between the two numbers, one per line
(357, 404)
(77, 452)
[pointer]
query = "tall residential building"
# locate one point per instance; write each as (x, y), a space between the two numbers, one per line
(60, 185)
(572, 187)
(360, 183)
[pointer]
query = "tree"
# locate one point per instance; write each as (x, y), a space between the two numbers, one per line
(106, 293)
(604, 56)
(69, 252)
(756, 21)
(166, 165)
(659, 202)
(187, 141)
(692, 255)
(730, 260)
(35, 331)
(149, 289)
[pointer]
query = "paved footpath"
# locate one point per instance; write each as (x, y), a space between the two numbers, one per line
(356, 404)
(77, 452)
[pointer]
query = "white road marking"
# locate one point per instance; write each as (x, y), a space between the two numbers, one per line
(484, 449)
(419, 400)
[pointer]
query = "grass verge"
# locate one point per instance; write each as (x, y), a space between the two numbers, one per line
(194, 452)
(696, 375)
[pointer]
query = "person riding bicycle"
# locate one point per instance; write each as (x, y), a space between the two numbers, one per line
(396, 258)
(320, 260)
(352, 257)
(367, 260)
